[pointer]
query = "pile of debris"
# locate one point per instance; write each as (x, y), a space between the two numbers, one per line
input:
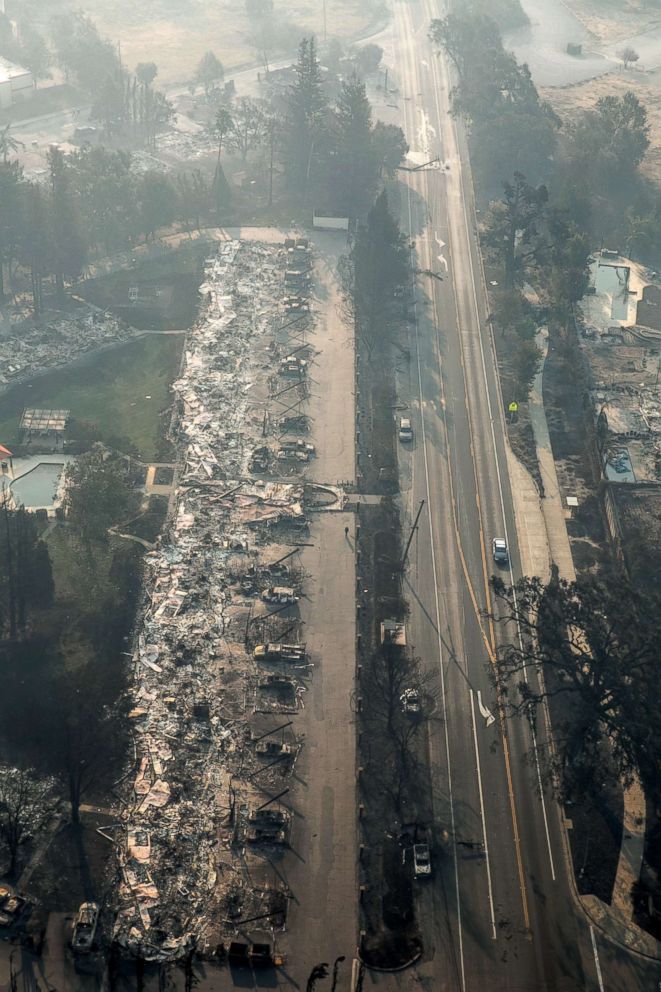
(186, 146)
(218, 657)
(37, 345)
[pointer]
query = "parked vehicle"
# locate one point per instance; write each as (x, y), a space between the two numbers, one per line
(280, 595)
(500, 552)
(298, 444)
(272, 749)
(267, 825)
(410, 700)
(280, 652)
(292, 366)
(405, 429)
(277, 568)
(297, 449)
(84, 928)
(421, 860)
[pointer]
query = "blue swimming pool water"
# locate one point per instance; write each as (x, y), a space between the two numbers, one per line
(38, 487)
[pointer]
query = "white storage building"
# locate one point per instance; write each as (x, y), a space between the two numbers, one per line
(16, 83)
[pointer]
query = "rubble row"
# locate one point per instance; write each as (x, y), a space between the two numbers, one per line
(219, 667)
(33, 347)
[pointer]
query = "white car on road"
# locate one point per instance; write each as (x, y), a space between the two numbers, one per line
(405, 429)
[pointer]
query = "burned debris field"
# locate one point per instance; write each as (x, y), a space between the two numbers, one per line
(330, 474)
(220, 668)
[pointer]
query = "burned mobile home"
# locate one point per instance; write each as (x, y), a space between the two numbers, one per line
(219, 668)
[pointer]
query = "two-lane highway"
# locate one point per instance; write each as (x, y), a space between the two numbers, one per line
(502, 914)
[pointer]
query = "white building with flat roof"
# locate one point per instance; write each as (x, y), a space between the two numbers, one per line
(16, 83)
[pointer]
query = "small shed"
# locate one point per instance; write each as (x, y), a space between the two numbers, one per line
(327, 222)
(16, 83)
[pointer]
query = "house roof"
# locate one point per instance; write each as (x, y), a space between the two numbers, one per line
(9, 70)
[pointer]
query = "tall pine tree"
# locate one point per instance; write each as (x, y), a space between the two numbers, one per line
(306, 132)
(356, 168)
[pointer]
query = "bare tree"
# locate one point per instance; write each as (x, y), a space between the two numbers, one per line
(397, 695)
(596, 642)
(628, 55)
(248, 129)
(87, 733)
(25, 804)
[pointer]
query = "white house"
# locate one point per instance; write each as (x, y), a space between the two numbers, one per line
(16, 83)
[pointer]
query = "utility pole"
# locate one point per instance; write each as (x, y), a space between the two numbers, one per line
(413, 530)
(324, 6)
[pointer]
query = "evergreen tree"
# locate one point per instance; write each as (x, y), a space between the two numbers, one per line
(69, 249)
(355, 169)
(26, 578)
(34, 52)
(306, 121)
(107, 190)
(158, 202)
(378, 269)
(36, 239)
(11, 175)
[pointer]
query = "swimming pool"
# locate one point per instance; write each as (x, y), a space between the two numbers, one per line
(613, 281)
(38, 487)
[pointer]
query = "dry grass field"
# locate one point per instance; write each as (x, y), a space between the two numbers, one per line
(176, 33)
(571, 100)
(610, 20)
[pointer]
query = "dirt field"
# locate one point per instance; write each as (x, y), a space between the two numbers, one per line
(607, 19)
(176, 35)
(571, 100)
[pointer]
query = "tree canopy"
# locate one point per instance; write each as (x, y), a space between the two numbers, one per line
(307, 120)
(26, 578)
(610, 141)
(70, 719)
(512, 129)
(97, 494)
(209, 71)
(378, 267)
(596, 643)
(513, 225)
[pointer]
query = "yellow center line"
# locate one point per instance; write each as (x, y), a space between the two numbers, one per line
(490, 639)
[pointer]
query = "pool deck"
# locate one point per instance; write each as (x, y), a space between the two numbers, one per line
(598, 308)
(20, 467)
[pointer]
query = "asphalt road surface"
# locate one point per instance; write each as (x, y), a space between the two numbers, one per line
(500, 916)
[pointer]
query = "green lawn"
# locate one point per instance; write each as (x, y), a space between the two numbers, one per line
(78, 578)
(178, 273)
(109, 390)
